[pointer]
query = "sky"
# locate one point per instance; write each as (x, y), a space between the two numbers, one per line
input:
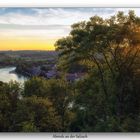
(39, 28)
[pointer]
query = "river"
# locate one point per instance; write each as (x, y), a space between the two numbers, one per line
(7, 74)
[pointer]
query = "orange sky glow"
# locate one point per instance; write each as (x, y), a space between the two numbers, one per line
(29, 44)
(40, 28)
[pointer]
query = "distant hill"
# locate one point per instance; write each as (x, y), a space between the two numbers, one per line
(30, 53)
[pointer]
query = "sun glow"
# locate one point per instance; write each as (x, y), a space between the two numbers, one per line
(39, 28)
(26, 44)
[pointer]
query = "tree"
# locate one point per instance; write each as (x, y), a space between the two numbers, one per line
(58, 91)
(35, 86)
(9, 96)
(36, 114)
(110, 49)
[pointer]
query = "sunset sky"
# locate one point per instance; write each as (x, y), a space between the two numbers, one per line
(39, 28)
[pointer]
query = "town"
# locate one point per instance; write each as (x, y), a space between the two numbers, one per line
(38, 63)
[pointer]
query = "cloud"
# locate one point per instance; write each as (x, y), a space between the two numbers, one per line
(33, 31)
(4, 11)
(48, 22)
(51, 16)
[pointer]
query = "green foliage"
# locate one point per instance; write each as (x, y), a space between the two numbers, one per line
(39, 115)
(109, 95)
(9, 96)
(35, 86)
(29, 127)
(106, 100)
(58, 91)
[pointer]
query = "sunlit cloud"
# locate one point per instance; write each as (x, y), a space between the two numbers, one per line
(46, 24)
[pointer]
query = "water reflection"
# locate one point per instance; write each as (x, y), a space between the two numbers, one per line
(7, 74)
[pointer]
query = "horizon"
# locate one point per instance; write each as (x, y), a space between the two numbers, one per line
(40, 28)
(26, 50)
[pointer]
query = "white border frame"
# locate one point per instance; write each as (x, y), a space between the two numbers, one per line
(70, 3)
